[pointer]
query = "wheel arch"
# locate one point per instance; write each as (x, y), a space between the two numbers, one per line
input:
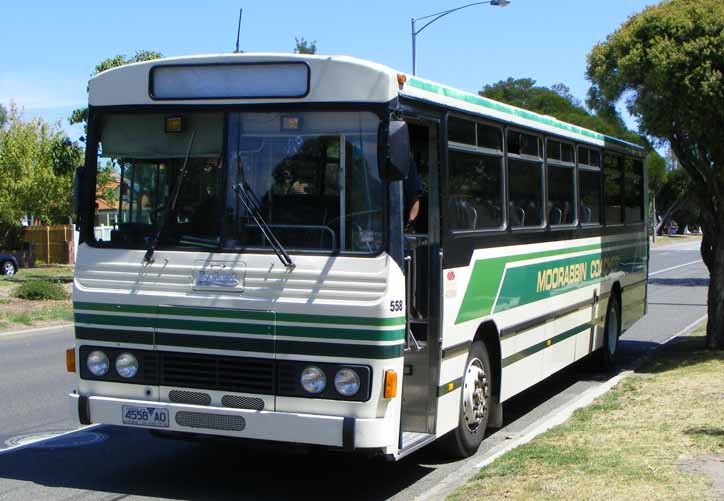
(489, 334)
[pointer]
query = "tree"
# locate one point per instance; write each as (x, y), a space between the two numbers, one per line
(558, 101)
(301, 46)
(668, 61)
(80, 115)
(655, 166)
(37, 161)
(3, 116)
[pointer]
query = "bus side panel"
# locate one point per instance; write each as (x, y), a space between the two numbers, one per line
(449, 391)
(633, 301)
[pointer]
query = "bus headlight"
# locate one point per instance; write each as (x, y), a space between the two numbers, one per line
(97, 363)
(126, 365)
(347, 382)
(313, 380)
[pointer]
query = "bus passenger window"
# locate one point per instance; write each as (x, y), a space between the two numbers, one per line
(590, 194)
(633, 186)
(476, 191)
(561, 195)
(612, 181)
(525, 186)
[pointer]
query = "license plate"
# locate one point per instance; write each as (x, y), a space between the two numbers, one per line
(145, 416)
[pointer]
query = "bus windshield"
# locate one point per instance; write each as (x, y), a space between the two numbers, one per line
(313, 176)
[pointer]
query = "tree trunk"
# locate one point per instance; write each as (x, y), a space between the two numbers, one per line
(712, 251)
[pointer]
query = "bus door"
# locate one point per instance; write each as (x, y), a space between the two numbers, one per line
(421, 217)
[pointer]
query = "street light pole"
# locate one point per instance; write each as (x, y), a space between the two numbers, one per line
(438, 15)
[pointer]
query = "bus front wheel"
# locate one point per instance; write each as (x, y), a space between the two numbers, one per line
(475, 404)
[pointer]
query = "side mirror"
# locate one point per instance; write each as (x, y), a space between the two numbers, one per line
(395, 163)
(78, 183)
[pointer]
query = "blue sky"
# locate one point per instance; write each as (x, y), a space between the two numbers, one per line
(49, 48)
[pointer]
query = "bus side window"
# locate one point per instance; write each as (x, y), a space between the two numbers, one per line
(612, 187)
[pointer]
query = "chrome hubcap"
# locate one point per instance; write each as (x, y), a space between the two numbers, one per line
(475, 394)
(8, 269)
(612, 333)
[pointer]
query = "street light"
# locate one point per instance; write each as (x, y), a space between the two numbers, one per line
(438, 15)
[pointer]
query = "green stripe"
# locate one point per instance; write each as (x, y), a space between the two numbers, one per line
(215, 342)
(114, 336)
(516, 112)
(485, 280)
(531, 350)
(228, 327)
(241, 314)
(445, 388)
(339, 350)
(241, 344)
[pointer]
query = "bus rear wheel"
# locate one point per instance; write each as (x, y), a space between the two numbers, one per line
(475, 404)
(605, 357)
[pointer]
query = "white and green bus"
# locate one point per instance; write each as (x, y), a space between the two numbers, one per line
(321, 250)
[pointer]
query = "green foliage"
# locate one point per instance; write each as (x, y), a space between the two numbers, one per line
(37, 162)
(302, 46)
(3, 116)
(40, 290)
(668, 63)
(656, 171)
(558, 101)
(80, 115)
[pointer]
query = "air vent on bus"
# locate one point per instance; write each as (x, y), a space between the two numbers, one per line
(238, 402)
(189, 397)
(210, 421)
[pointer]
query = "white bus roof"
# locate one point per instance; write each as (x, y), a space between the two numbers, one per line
(332, 79)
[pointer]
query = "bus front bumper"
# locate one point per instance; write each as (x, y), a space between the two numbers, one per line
(333, 431)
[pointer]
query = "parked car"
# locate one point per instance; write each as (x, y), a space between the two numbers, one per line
(8, 265)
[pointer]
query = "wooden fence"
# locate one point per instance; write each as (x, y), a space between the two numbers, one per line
(51, 244)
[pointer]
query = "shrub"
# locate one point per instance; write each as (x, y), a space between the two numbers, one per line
(40, 290)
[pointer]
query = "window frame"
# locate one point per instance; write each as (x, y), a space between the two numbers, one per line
(622, 199)
(482, 151)
(529, 159)
(565, 165)
(590, 168)
(642, 199)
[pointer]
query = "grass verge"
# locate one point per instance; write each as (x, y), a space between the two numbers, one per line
(629, 444)
(665, 240)
(62, 274)
(49, 311)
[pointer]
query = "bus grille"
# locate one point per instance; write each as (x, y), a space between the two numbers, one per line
(212, 372)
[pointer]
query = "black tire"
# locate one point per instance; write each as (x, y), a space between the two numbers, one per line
(605, 358)
(8, 268)
(464, 440)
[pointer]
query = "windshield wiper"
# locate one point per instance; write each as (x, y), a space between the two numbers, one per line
(148, 257)
(252, 205)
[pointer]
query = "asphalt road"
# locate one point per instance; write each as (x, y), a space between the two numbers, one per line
(110, 463)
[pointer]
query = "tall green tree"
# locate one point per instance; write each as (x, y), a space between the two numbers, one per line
(37, 161)
(302, 46)
(656, 173)
(558, 101)
(668, 62)
(3, 116)
(80, 115)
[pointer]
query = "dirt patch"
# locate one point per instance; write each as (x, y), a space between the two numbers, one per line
(712, 467)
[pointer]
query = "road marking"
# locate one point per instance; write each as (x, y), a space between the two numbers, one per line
(16, 448)
(675, 267)
(36, 329)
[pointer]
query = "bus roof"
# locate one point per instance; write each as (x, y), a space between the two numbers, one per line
(332, 79)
